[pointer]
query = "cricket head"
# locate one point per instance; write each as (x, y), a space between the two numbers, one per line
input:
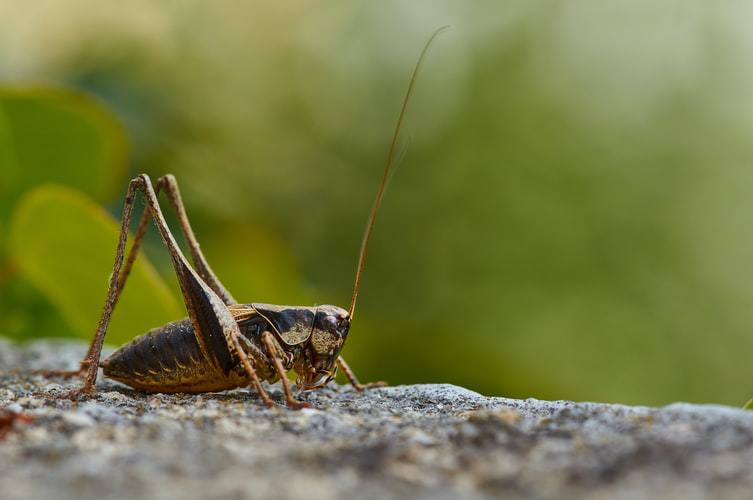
(313, 335)
(329, 331)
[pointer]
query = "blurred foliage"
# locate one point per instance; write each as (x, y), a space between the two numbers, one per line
(68, 257)
(571, 218)
(50, 135)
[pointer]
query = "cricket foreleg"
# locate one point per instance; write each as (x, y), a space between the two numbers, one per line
(293, 403)
(251, 372)
(353, 379)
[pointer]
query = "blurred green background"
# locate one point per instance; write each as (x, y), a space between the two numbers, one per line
(573, 216)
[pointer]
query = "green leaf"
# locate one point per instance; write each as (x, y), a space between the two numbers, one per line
(748, 405)
(64, 244)
(60, 136)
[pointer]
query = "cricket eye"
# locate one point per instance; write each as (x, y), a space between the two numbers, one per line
(343, 326)
(332, 324)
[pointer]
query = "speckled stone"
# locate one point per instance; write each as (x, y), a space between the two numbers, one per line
(419, 441)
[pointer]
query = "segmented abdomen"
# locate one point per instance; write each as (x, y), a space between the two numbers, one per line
(168, 359)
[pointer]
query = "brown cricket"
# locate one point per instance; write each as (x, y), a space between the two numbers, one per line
(223, 344)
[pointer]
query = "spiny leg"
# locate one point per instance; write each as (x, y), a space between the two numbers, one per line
(353, 379)
(293, 403)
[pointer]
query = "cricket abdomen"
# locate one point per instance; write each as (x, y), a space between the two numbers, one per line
(169, 359)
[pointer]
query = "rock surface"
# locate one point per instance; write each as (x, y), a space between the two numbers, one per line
(420, 441)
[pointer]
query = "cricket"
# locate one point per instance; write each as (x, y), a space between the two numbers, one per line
(223, 344)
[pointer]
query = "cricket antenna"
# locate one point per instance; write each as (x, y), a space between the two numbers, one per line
(388, 167)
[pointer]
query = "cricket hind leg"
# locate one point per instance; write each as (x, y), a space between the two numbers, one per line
(354, 380)
(90, 363)
(122, 278)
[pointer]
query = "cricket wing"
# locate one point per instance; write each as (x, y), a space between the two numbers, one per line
(243, 312)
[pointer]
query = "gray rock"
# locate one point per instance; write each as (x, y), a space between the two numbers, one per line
(419, 441)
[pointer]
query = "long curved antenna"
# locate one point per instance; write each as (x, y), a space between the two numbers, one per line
(387, 173)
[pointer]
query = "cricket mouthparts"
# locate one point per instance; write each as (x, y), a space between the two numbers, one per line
(320, 379)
